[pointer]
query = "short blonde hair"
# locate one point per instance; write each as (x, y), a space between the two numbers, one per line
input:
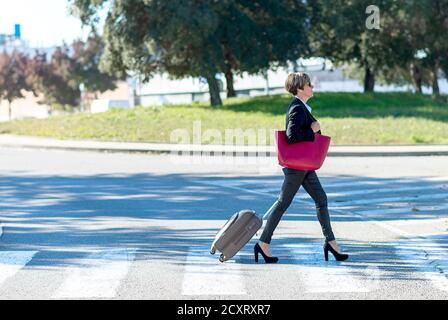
(295, 81)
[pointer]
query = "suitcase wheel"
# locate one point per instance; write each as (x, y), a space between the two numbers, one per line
(212, 250)
(221, 258)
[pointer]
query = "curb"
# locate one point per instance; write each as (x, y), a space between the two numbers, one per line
(214, 150)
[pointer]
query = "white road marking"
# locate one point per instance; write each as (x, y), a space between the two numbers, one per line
(240, 182)
(235, 188)
(341, 204)
(99, 276)
(237, 185)
(350, 193)
(306, 199)
(419, 210)
(12, 261)
(327, 184)
(321, 276)
(354, 183)
(392, 199)
(395, 189)
(205, 275)
(358, 183)
(427, 257)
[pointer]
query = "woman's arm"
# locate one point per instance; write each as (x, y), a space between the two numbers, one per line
(296, 129)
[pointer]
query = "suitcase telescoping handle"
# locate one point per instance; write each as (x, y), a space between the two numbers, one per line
(268, 213)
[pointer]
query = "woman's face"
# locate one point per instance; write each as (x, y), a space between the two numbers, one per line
(307, 91)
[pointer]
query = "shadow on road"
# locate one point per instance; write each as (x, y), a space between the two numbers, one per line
(163, 216)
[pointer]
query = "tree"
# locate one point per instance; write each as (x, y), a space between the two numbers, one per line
(54, 78)
(434, 35)
(158, 36)
(59, 78)
(339, 33)
(409, 31)
(256, 35)
(13, 77)
(87, 56)
(416, 38)
(197, 38)
(410, 45)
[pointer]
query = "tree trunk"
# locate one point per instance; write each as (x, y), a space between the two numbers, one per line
(228, 58)
(295, 66)
(213, 86)
(229, 82)
(416, 74)
(434, 79)
(9, 111)
(369, 80)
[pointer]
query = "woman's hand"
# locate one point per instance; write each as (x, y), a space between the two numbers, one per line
(315, 126)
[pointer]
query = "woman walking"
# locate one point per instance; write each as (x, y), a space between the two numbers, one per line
(300, 126)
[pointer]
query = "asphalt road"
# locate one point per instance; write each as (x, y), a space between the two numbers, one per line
(85, 225)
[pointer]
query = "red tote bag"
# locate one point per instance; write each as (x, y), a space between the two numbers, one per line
(305, 155)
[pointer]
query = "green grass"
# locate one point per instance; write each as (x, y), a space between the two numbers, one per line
(349, 118)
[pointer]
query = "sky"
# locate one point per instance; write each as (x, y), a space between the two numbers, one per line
(44, 23)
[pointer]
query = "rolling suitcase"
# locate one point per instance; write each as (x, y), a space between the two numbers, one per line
(237, 231)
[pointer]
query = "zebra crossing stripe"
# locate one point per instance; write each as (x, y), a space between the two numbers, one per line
(427, 257)
(12, 261)
(319, 276)
(99, 276)
(205, 275)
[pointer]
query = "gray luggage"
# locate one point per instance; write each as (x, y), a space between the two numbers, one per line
(237, 231)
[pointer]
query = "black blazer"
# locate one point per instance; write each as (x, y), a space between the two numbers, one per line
(298, 122)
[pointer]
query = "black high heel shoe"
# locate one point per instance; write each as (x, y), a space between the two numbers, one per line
(338, 256)
(267, 259)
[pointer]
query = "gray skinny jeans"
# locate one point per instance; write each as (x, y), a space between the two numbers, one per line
(293, 180)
